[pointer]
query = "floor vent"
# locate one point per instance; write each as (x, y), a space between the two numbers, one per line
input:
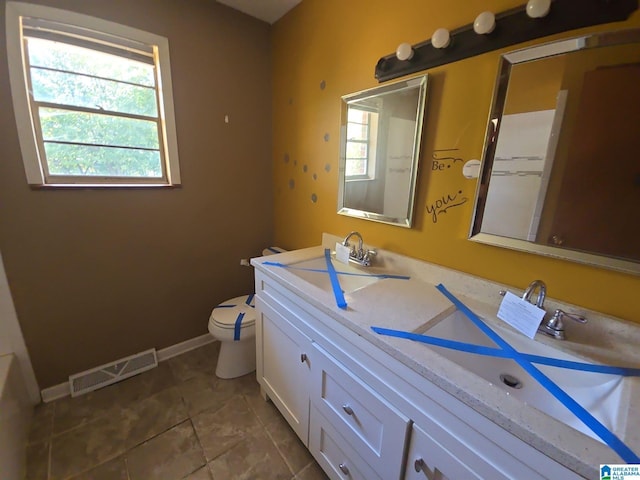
(89, 380)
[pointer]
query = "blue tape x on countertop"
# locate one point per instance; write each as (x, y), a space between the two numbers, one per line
(335, 283)
(526, 362)
(333, 276)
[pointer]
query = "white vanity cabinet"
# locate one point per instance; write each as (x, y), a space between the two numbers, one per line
(283, 366)
(351, 430)
(365, 415)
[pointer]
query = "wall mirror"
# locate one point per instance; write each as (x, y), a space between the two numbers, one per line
(561, 167)
(380, 136)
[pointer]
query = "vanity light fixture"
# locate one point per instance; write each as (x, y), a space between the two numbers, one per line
(485, 23)
(441, 38)
(404, 52)
(517, 25)
(538, 8)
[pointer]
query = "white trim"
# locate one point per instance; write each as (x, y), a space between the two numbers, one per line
(549, 159)
(12, 340)
(21, 108)
(167, 111)
(62, 389)
(546, 50)
(184, 347)
(24, 119)
(54, 393)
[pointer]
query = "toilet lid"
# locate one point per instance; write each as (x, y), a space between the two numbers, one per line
(238, 309)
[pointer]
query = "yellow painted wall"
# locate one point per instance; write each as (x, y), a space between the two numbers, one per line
(324, 49)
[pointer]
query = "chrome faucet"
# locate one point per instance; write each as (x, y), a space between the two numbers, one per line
(542, 292)
(554, 326)
(358, 255)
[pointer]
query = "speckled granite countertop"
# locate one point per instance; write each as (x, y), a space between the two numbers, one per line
(410, 305)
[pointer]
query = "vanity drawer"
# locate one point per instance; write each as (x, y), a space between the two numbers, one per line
(374, 428)
(428, 459)
(333, 453)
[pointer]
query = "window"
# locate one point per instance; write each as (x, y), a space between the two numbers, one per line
(362, 128)
(93, 100)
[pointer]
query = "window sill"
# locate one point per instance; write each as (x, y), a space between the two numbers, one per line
(53, 186)
(359, 179)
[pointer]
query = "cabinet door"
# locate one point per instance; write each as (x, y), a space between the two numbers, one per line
(284, 367)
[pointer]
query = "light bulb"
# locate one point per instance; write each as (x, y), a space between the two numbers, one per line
(441, 38)
(538, 8)
(485, 23)
(404, 51)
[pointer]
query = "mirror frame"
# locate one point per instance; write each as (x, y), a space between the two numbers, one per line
(419, 82)
(507, 61)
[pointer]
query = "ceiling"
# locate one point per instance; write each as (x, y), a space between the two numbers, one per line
(267, 10)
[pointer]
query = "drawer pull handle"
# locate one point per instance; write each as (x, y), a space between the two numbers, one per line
(343, 468)
(420, 466)
(303, 357)
(347, 409)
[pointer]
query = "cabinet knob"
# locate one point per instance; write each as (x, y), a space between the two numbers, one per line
(303, 357)
(418, 465)
(343, 468)
(347, 409)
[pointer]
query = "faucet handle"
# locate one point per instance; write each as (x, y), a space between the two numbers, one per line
(368, 255)
(560, 314)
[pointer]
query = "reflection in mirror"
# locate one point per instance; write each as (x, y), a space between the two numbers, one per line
(561, 169)
(379, 148)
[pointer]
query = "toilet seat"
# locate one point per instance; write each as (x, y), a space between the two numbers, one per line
(236, 314)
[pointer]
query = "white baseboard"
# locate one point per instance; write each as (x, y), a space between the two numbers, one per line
(62, 389)
(184, 347)
(54, 393)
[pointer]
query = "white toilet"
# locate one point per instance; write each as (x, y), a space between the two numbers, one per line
(233, 323)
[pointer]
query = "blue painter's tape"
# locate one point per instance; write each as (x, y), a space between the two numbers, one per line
(335, 283)
(578, 410)
(249, 299)
(497, 352)
(237, 327)
(225, 306)
(274, 264)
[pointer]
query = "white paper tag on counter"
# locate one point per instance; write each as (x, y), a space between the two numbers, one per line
(342, 253)
(520, 314)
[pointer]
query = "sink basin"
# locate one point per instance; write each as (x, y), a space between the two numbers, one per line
(351, 277)
(600, 394)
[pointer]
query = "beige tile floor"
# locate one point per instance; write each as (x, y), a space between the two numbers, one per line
(176, 421)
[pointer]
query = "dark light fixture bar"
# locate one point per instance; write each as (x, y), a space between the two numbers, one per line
(511, 27)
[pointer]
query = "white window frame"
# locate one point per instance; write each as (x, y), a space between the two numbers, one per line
(27, 127)
(370, 159)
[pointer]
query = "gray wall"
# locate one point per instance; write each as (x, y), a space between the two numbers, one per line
(98, 274)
